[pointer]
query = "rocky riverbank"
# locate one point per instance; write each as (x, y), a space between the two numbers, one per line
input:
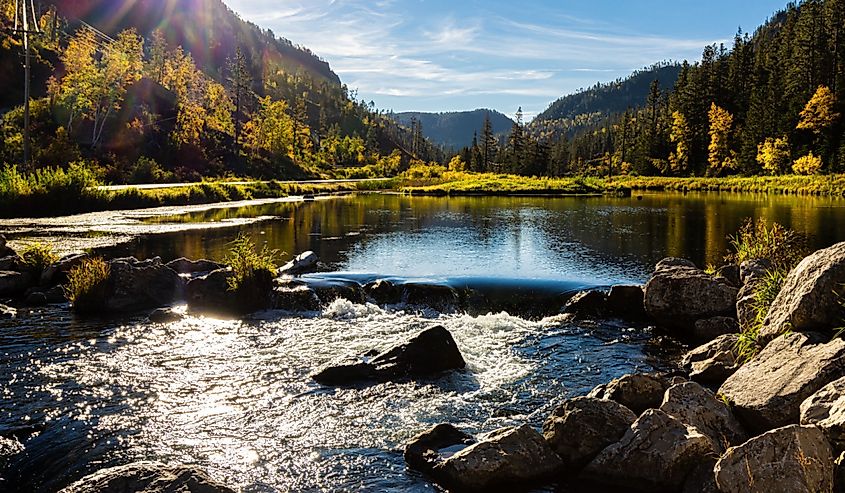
(717, 424)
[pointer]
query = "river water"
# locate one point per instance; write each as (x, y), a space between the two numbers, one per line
(236, 396)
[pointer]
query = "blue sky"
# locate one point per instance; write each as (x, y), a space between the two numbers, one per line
(441, 55)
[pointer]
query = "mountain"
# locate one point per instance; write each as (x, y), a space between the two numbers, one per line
(589, 106)
(455, 129)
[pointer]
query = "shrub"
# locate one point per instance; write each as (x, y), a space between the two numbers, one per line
(88, 285)
(783, 247)
(38, 256)
(248, 263)
(807, 165)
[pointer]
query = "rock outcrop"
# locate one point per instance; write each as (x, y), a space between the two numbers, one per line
(147, 477)
(796, 459)
(510, 457)
(768, 391)
(808, 300)
(580, 428)
(431, 352)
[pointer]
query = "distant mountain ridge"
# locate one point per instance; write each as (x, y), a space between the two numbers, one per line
(456, 129)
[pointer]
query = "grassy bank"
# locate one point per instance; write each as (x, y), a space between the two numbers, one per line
(433, 181)
(50, 192)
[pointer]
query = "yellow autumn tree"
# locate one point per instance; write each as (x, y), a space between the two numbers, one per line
(721, 158)
(774, 155)
(807, 165)
(680, 136)
(819, 113)
(271, 129)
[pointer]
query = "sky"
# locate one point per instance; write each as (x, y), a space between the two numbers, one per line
(442, 55)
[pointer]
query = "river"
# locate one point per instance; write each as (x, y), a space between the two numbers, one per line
(236, 396)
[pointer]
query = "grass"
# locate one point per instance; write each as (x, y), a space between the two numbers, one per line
(817, 185)
(87, 285)
(248, 263)
(747, 346)
(38, 256)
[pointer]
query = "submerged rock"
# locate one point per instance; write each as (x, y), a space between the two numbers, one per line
(678, 295)
(295, 299)
(826, 409)
(768, 391)
(713, 362)
(431, 352)
(808, 300)
(165, 316)
(514, 458)
(437, 296)
(383, 292)
(304, 263)
(795, 459)
(696, 406)
(423, 452)
(656, 454)
(147, 477)
(580, 428)
(186, 266)
(637, 392)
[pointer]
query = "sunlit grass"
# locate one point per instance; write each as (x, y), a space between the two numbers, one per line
(87, 285)
(37, 256)
(249, 265)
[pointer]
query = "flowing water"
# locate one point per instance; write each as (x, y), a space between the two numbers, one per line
(235, 396)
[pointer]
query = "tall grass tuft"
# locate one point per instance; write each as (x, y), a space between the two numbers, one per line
(766, 292)
(248, 263)
(783, 247)
(38, 256)
(87, 285)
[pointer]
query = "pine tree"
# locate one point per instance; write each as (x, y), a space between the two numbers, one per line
(240, 82)
(488, 144)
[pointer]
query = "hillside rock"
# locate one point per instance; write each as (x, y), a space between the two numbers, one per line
(516, 457)
(808, 300)
(147, 477)
(431, 352)
(656, 454)
(768, 391)
(637, 392)
(713, 362)
(826, 410)
(580, 428)
(696, 406)
(795, 459)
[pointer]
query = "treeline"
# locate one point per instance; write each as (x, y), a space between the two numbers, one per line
(141, 110)
(772, 103)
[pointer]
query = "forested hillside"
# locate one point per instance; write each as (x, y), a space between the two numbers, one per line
(153, 90)
(455, 129)
(772, 103)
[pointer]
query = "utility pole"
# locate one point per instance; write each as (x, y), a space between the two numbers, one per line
(22, 27)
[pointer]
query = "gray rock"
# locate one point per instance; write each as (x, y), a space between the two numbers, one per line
(431, 352)
(839, 473)
(671, 262)
(14, 283)
(701, 479)
(676, 297)
(696, 406)
(580, 428)
(134, 285)
(713, 362)
(510, 457)
(147, 477)
(186, 266)
(768, 391)
(636, 392)
(587, 304)
(304, 263)
(795, 459)
(711, 328)
(295, 299)
(383, 292)
(437, 296)
(211, 294)
(10, 263)
(808, 300)
(56, 273)
(826, 409)
(7, 312)
(424, 451)
(730, 273)
(627, 302)
(656, 454)
(55, 295)
(754, 271)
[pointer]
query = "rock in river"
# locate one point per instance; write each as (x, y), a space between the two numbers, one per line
(636, 392)
(580, 428)
(147, 477)
(510, 457)
(187, 266)
(794, 459)
(423, 452)
(808, 300)
(431, 352)
(304, 263)
(768, 391)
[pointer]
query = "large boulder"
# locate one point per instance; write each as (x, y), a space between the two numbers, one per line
(510, 457)
(580, 428)
(708, 329)
(826, 409)
(13, 283)
(211, 293)
(795, 459)
(383, 292)
(304, 263)
(637, 392)
(626, 302)
(696, 406)
(434, 445)
(431, 352)
(186, 266)
(657, 453)
(713, 362)
(135, 285)
(587, 304)
(295, 299)
(677, 296)
(147, 477)
(809, 299)
(768, 391)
